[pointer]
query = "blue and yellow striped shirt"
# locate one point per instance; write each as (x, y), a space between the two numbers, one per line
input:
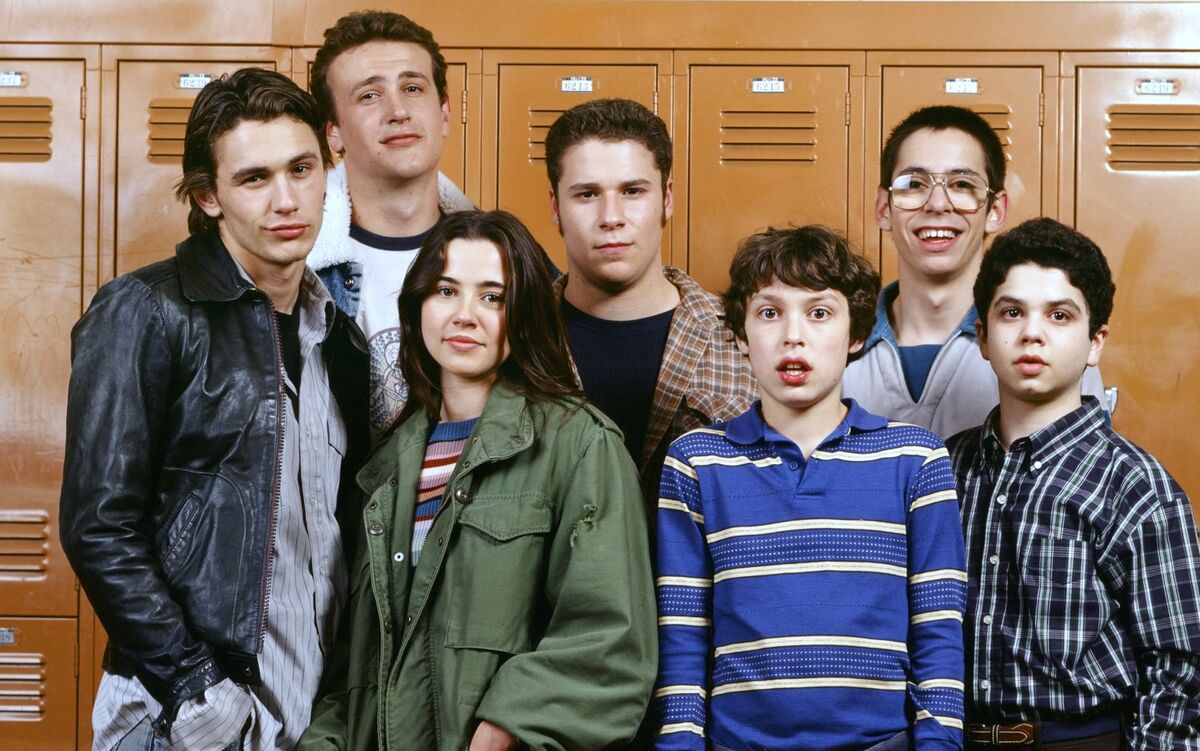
(811, 603)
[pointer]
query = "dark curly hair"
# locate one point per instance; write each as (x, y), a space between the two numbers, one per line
(1051, 245)
(812, 257)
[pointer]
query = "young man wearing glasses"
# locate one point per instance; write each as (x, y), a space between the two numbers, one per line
(941, 194)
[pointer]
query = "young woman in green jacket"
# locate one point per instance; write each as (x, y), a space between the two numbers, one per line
(501, 596)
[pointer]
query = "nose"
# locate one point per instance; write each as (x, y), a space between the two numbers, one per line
(612, 215)
(397, 108)
(794, 332)
(939, 197)
(464, 311)
(283, 198)
(1033, 329)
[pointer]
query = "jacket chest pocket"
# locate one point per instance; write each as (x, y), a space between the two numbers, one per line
(496, 570)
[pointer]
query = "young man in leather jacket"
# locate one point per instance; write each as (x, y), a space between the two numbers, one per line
(216, 406)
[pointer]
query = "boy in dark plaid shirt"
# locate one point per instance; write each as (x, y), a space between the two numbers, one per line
(1083, 593)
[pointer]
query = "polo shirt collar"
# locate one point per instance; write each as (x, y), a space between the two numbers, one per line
(750, 428)
(882, 331)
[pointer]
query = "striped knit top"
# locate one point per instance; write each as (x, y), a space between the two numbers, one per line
(441, 454)
(809, 604)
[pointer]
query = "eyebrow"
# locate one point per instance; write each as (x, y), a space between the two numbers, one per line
(626, 184)
(1064, 303)
(490, 284)
(958, 171)
(378, 78)
(245, 172)
(818, 295)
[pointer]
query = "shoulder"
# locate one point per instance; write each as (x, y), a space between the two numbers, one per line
(1141, 475)
(155, 284)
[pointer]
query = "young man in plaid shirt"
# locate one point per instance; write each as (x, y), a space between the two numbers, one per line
(1083, 598)
(649, 345)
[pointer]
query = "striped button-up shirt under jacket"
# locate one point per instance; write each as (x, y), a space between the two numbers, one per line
(1083, 580)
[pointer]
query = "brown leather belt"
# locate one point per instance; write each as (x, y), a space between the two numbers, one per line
(1016, 734)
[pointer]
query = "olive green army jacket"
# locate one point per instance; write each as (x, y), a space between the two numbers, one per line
(532, 603)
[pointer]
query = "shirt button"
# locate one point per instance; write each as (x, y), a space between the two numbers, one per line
(375, 529)
(987, 619)
(398, 557)
(1037, 465)
(793, 465)
(1002, 499)
(994, 559)
(985, 685)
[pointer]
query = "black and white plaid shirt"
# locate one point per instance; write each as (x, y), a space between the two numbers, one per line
(1083, 589)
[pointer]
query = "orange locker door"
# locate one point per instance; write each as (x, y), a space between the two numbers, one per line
(37, 683)
(154, 89)
(1136, 177)
(460, 160)
(42, 204)
(767, 144)
(530, 91)
(1007, 89)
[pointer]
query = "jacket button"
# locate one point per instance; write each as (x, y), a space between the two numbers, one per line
(372, 505)
(441, 541)
(348, 282)
(387, 626)
(467, 463)
(375, 529)
(460, 494)
(392, 482)
(408, 620)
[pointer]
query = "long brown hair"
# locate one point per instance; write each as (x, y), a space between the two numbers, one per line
(539, 364)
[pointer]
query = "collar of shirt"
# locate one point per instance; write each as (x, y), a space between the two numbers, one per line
(883, 324)
(749, 427)
(1046, 445)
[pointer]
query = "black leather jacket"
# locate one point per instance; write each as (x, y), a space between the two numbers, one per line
(170, 488)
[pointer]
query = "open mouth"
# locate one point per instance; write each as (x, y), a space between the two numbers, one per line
(937, 235)
(793, 372)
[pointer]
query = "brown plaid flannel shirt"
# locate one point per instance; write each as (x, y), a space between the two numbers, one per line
(703, 377)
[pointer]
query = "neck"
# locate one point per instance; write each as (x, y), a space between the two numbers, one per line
(393, 208)
(927, 312)
(462, 400)
(1019, 418)
(806, 428)
(650, 295)
(280, 283)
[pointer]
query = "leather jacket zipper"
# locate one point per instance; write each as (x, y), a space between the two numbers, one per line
(269, 563)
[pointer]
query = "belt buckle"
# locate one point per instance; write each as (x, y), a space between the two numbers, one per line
(1016, 734)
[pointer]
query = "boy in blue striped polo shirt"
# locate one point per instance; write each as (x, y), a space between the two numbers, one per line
(810, 558)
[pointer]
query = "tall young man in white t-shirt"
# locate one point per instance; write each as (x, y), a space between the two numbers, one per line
(380, 80)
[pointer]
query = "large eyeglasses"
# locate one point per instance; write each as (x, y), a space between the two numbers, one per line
(965, 191)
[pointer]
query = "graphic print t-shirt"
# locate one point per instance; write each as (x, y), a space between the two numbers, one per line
(385, 261)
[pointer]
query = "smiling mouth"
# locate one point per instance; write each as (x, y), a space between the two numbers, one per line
(936, 234)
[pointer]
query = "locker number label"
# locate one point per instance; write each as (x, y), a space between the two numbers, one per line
(8, 636)
(1168, 86)
(962, 85)
(13, 79)
(768, 85)
(576, 84)
(193, 80)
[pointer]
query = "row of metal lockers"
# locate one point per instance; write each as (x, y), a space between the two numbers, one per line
(91, 138)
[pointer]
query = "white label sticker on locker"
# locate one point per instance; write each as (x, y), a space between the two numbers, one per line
(579, 84)
(8, 636)
(193, 80)
(768, 85)
(13, 79)
(962, 85)
(1168, 86)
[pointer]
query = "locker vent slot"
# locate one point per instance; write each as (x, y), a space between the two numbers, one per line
(24, 544)
(22, 686)
(168, 123)
(999, 116)
(1154, 137)
(540, 121)
(25, 128)
(768, 135)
